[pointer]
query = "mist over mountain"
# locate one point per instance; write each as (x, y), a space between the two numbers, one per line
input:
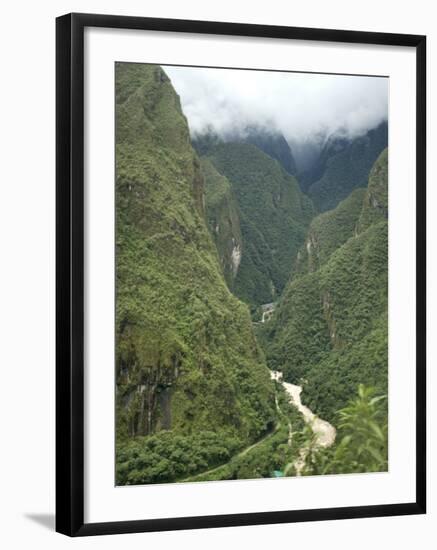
(342, 166)
(307, 109)
(306, 153)
(270, 141)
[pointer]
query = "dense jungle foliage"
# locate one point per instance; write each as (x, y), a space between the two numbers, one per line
(362, 438)
(211, 456)
(329, 331)
(346, 166)
(204, 236)
(186, 356)
(271, 142)
(274, 216)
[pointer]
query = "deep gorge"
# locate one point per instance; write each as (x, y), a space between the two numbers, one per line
(209, 230)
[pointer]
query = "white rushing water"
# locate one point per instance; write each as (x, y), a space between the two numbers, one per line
(323, 431)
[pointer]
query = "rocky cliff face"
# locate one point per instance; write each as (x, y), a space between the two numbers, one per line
(186, 356)
(223, 218)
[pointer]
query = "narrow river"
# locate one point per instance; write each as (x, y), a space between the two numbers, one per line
(323, 431)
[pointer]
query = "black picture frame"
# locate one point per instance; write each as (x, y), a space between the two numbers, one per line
(70, 273)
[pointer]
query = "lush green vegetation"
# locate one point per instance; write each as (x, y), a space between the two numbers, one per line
(209, 456)
(186, 356)
(347, 168)
(272, 143)
(194, 397)
(329, 231)
(168, 456)
(329, 331)
(375, 207)
(274, 216)
(362, 438)
(276, 451)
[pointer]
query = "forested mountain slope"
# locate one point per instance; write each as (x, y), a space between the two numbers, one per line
(271, 142)
(274, 216)
(328, 231)
(329, 331)
(345, 165)
(187, 359)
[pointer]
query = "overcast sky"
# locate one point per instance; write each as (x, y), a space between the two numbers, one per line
(302, 106)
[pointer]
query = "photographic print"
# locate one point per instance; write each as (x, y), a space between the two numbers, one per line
(251, 274)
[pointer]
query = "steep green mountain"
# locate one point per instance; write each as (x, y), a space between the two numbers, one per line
(328, 231)
(274, 216)
(274, 144)
(271, 142)
(223, 219)
(329, 330)
(186, 356)
(345, 165)
(375, 207)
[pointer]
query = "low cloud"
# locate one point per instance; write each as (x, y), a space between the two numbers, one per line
(304, 107)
